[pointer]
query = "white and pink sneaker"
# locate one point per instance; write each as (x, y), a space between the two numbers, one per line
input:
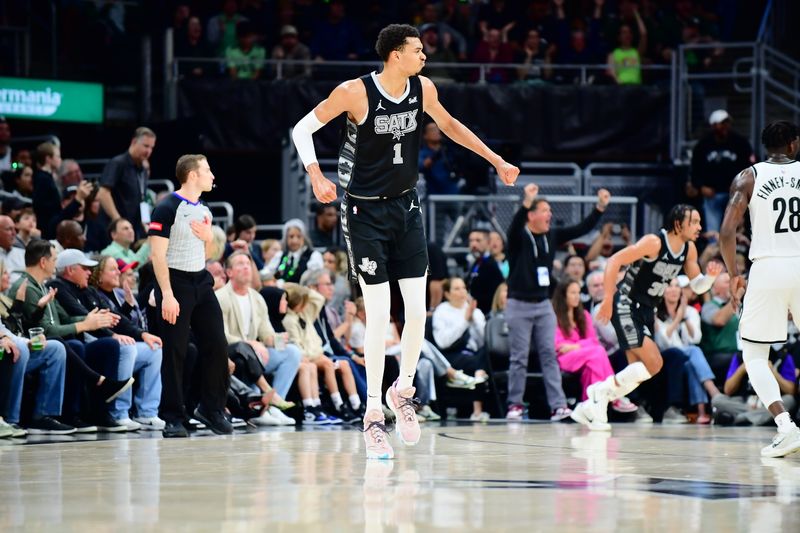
(404, 406)
(376, 437)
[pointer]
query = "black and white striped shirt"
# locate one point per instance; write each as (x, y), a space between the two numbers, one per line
(171, 219)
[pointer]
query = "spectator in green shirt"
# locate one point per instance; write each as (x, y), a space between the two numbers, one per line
(625, 61)
(245, 61)
(122, 237)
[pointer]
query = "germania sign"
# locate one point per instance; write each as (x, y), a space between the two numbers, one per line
(64, 101)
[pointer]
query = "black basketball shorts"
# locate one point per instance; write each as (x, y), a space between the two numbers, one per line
(632, 321)
(385, 238)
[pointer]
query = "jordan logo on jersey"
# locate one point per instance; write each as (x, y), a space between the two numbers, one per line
(380, 106)
(412, 100)
(368, 266)
(397, 124)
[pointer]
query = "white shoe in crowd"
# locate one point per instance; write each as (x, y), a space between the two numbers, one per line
(265, 419)
(643, 417)
(129, 424)
(282, 419)
(461, 381)
(152, 423)
(483, 416)
(426, 414)
(674, 416)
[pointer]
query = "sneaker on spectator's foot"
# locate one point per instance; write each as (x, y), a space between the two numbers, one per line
(235, 421)
(174, 430)
(80, 425)
(106, 424)
(642, 416)
(284, 420)
(18, 431)
(428, 414)
(404, 406)
(624, 405)
(150, 423)
(585, 414)
(376, 437)
(483, 378)
(783, 444)
(313, 416)
(483, 416)
(265, 419)
(47, 425)
(674, 416)
(110, 389)
(129, 424)
(562, 413)
(461, 381)
(515, 411)
(6, 431)
(332, 419)
(346, 413)
(194, 424)
(215, 421)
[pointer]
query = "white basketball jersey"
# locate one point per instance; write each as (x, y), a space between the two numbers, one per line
(775, 210)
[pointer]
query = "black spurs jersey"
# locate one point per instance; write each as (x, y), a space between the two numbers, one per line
(379, 156)
(646, 281)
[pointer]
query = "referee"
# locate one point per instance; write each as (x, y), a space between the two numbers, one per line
(180, 234)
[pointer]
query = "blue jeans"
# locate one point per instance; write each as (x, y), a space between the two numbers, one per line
(714, 210)
(698, 371)
(51, 364)
(139, 360)
(283, 365)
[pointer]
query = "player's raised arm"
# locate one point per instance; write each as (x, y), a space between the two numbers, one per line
(341, 100)
(461, 134)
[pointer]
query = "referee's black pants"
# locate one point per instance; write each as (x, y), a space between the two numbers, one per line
(200, 312)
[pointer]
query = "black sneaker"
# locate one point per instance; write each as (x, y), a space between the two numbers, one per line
(346, 413)
(81, 426)
(216, 421)
(47, 425)
(107, 424)
(110, 389)
(174, 430)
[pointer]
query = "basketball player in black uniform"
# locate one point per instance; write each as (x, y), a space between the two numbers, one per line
(655, 260)
(381, 217)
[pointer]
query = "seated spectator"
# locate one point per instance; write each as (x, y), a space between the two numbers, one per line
(603, 246)
(678, 327)
(191, 44)
(436, 52)
(23, 183)
(69, 234)
(75, 203)
(246, 320)
(245, 61)
(269, 249)
(575, 270)
(82, 358)
(485, 274)
(217, 272)
(575, 47)
(335, 262)
(122, 238)
(458, 330)
(739, 405)
(594, 286)
(146, 361)
(436, 163)
(298, 253)
(13, 258)
(124, 295)
(319, 280)
(322, 234)
(139, 351)
(720, 326)
(577, 345)
(244, 236)
(304, 307)
(447, 36)
(49, 362)
(70, 174)
(25, 224)
(500, 299)
(493, 49)
(625, 61)
(497, 247)
(535, 57)
(289, 47)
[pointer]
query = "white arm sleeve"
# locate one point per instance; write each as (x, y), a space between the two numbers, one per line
(702, 283)
(301, 135)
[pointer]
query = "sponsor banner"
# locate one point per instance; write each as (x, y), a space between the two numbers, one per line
(63, 101)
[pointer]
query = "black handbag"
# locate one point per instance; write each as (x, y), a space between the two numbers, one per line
(248, 364)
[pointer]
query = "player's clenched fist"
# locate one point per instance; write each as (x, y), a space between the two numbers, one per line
(507, 172)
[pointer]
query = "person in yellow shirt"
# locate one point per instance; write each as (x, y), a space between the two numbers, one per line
(625, 61)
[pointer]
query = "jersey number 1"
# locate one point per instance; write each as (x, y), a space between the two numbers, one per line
(398, 157)
(779, 204)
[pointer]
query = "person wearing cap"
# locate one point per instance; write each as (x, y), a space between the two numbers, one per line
(245, 61)
(89, 364)
(716, 159)
(290, 48)
(122, 237)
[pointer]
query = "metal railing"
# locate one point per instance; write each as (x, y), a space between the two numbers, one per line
(500, 209)
(221, 213)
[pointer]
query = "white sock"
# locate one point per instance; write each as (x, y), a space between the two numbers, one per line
(784, 422)
(355, 401)
(308, 402)
(377, 302)
(336, 398)
(627, 380)
(316, 402)
(413, 291)
(756, 360)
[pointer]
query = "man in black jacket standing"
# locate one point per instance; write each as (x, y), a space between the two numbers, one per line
(531, 248)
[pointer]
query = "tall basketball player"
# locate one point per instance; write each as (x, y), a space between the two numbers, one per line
(771, 191)
(381, 218)
(655, 260)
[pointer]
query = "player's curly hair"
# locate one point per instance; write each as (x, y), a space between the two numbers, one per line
(778, 135)
(393, 37)
(676, 216)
